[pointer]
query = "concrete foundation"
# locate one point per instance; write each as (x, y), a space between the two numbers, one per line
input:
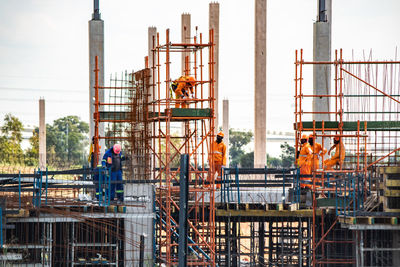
(96, 48)
(225, 127)
(260, 85)
(214, 24)
(42, 135)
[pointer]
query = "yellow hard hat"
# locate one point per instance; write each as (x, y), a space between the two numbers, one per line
(220, 134)
(304, 136)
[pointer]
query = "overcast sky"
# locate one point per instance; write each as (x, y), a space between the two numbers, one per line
(44, 48)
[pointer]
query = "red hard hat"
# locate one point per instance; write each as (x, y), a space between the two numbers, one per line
(304, 136)
(220, 134)
(336, 138)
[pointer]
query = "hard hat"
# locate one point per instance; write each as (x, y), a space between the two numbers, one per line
(220, 134)
(304, 136)
(311, 136)
(117, 148)
(191, 80)
(336, 138)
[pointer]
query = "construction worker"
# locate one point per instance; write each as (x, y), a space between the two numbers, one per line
(218, 149)
(318, 152)
(304, 162)
(113, 159)
(338, 157)
(183, 88)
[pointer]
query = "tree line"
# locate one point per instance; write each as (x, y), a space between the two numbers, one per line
(66, 142)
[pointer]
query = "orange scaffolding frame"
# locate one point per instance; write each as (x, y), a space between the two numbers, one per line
(357, 132)
(195, 139)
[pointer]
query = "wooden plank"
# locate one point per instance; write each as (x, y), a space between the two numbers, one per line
(392, 183)
(392, 193)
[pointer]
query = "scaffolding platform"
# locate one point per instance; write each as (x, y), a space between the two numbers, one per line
(350, 126)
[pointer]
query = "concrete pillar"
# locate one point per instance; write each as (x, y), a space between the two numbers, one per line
(214, 24)
(322, 52)
(225, 127)
(260, 84)
(42, 135)
(185, 38)
(96, 48)
(152, 34)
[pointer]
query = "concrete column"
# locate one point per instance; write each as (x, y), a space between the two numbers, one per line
(185, 38)
(214, 24)
(152, 34)
(96, 48)
(260, 84)
(42, 135)
(225, 127)
(322, 52)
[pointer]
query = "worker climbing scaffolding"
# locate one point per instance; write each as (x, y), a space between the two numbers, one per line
(183, 87)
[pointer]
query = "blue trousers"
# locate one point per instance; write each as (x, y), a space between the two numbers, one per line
(117, 189)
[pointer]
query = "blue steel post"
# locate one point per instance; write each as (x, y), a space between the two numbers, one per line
(19, 190)
(34, 188)
(336, 197)
(297, 183)
(1, 227)
(327, 179)
(345, 194)
(109, 187)
(47, 180)
(354, 196)
(100, 186)
(237, 183)
(283, 186)
(183, 208)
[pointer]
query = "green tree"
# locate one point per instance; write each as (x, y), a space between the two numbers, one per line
(247, 160)
(67, 141)
(287, 155)
(32, 154)
(237, 140)
(273, 162)
(10, 140)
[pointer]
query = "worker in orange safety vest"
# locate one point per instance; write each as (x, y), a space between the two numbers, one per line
(183, 89)
(304, 161)
(218, 149)
(338, 157)
(318, 152)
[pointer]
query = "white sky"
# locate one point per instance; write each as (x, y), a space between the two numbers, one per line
(44, 48)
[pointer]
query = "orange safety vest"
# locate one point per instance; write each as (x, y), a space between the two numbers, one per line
(219, 151)
(185, 86)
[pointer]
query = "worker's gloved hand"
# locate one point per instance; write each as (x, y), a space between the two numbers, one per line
(223, 166)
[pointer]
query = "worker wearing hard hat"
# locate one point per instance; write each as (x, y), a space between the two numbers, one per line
(183, 89)
(338, 157)
(318, 151)
(304, 161)
(218, 149)
(113, 159)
